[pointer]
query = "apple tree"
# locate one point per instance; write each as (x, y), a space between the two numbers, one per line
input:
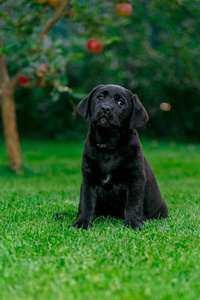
(30, 56)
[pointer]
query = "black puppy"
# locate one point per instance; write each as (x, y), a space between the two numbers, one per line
(117, 179)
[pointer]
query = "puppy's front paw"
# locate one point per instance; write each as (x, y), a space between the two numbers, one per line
(133, 223)
(81, 223)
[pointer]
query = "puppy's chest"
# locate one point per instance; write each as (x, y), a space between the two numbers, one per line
(109, 170)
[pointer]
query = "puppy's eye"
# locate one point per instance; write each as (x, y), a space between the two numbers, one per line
(120, 102)
(100, 97)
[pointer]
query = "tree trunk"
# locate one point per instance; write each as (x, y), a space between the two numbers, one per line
(10, 131)
(9, 122)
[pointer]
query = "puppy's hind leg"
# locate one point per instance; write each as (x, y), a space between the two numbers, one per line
(162, 212)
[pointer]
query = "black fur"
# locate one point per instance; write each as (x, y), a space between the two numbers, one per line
(117, 179)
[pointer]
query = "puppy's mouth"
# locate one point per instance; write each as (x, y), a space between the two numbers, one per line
(103, 122)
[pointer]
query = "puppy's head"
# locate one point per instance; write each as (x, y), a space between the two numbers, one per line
(113, 106)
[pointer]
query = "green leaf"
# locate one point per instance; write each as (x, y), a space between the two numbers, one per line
(74, 56)
(6, 49)
(111, 40)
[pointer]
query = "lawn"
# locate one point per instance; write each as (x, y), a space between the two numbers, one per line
(44, 259)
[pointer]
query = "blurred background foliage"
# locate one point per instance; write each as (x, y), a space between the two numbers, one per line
(154, 52)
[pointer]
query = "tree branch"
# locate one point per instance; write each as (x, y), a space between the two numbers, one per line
(73, 107)
(58, 12)
(15, 81)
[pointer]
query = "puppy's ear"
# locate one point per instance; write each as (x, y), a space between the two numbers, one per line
(139, 115)
(84, 105)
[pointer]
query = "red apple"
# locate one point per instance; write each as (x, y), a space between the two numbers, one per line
(94, 46)
(23, 81)
(123, 9)
(26, 82)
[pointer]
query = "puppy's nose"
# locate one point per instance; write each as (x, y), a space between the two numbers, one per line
(105, 108)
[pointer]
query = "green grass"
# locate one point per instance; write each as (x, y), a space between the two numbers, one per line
(42, 259)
